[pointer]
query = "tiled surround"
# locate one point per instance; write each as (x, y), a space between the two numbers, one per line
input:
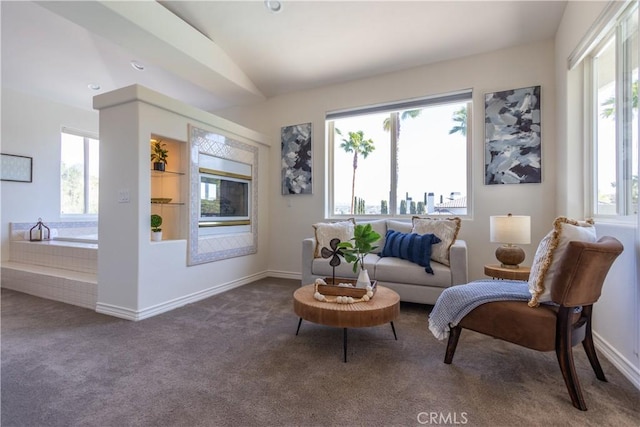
(75, 288)
(57, 270)
(81, 257)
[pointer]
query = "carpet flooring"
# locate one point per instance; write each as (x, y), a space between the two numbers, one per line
(234, 360)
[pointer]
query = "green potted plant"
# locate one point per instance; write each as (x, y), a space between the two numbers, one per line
(159, 155)
(363, 238)
(156, 231)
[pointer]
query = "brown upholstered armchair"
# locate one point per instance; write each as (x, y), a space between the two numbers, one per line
(545, 328)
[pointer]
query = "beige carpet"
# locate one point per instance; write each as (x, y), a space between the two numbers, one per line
(234, 360)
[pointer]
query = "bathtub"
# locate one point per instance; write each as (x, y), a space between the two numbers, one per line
(86, 238)
(62, 269)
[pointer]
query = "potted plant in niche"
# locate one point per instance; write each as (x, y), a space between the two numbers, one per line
(363, 238)
(159, 154)
(156, 231)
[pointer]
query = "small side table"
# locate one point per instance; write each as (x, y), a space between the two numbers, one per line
(498, 272)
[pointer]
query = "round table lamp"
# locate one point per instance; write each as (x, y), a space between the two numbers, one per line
(510, 230)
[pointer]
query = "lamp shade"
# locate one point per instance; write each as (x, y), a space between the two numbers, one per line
(510, 229)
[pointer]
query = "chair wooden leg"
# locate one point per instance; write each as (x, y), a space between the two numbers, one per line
(454, 335)
(565, 357)
(589, 348)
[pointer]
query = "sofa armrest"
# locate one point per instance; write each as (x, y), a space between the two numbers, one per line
(308, 249)
(458, 262)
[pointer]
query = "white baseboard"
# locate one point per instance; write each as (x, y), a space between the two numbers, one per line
(116, 311)
(632, 373)
(284, 274)
(129, 314)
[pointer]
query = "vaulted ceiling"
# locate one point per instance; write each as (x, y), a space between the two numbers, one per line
(216, 54)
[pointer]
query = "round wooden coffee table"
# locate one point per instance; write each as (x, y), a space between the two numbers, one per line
(383, 308)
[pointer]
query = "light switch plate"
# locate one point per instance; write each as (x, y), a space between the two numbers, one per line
(123, 195)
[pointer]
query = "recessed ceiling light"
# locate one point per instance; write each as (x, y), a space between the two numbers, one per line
(137, 66)
(273, 6)
(93, 86)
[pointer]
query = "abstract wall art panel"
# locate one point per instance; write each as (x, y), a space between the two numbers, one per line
(296, 159)
(512, 136)
(16, 168)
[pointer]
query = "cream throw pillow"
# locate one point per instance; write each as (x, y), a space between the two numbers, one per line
(445, 228)
(325, 231)
(552, 247)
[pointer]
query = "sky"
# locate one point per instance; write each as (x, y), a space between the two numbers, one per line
(430, 159)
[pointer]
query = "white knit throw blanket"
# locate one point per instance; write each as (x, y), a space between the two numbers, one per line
(458, 301)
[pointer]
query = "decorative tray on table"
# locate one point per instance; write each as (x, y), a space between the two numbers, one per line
(347, 291)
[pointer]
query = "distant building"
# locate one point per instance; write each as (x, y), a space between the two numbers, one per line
(453, 206)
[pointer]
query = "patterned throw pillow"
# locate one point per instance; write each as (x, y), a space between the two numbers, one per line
(546, 261)
(325, 231)
(410, 246)
(445, 228)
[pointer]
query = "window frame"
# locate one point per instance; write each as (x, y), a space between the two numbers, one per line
(396, 108)
(623, 128)
(86, 136)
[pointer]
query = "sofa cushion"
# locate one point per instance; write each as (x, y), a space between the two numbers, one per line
(410, 246)
(325, 231)
(445, 228)
(396, 270)
(401, 226)
(547, 259)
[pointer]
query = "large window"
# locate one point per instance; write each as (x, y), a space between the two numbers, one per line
(79, 172)
(614, 77)
(403, 159)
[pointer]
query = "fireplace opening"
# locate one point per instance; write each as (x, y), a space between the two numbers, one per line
(224, 198)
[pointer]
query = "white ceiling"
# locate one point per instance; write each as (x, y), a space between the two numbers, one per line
(236, 52)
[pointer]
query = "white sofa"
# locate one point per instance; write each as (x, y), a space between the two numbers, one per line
(409, 280)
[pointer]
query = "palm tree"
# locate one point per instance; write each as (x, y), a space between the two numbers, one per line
(386, 126)
(460, 117)
(407, 114)
(357, 145)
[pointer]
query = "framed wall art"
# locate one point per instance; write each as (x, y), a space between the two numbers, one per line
(296, 159)
(16, 168)
(512, 136)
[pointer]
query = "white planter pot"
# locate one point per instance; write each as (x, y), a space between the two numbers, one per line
(363, 279)
(156, 236)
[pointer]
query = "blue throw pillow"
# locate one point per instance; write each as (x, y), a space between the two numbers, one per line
(410, 246)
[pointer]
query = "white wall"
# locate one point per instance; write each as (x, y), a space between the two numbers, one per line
(617, 314)
(570, 153)
(138, 278)
(523, 66)
(31, 127)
